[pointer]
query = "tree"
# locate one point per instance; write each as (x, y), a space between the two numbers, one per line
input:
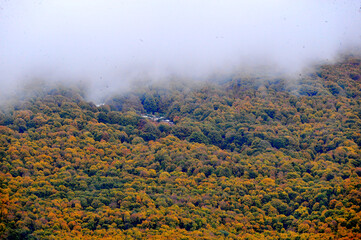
(198, 137)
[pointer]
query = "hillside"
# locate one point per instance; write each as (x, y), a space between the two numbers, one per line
(245, 158)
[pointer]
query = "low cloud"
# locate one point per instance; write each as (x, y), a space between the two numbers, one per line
(109, 44)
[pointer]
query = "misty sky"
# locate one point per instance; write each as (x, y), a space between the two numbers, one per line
(110, 42)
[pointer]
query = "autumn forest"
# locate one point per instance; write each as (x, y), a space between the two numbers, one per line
(249, 157)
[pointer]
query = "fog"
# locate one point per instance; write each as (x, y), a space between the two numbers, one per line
(107, 45)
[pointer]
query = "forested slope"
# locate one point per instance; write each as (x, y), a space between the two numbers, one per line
(250, 157)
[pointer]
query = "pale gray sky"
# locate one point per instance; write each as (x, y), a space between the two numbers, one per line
(111, 42)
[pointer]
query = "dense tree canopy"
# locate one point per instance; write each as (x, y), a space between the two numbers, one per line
(245, 158)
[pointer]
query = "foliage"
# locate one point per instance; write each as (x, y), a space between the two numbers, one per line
(246, 159)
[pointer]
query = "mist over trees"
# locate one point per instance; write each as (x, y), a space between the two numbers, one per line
(108, 45)
(238, 159)
(180, 119)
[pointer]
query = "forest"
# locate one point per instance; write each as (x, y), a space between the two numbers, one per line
(249, 157)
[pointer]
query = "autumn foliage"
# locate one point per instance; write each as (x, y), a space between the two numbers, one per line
(247, 158)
